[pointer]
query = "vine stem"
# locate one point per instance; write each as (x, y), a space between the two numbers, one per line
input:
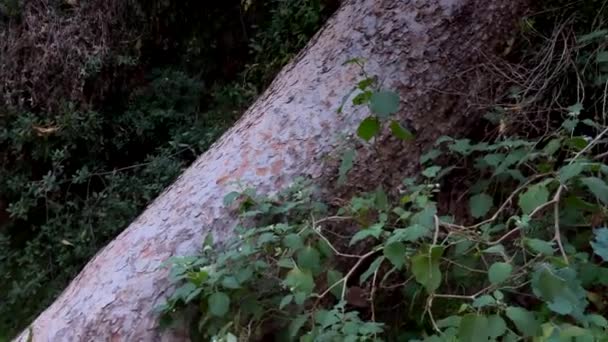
(558, 234)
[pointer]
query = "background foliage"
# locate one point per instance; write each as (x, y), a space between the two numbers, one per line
(102, 104)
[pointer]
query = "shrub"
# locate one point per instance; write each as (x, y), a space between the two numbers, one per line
(76, 170)
(519, 256)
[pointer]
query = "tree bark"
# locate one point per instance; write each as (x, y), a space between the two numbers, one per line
(415, 47)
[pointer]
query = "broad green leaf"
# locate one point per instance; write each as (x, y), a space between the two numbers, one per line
(431, 172)
(425, 267)
(494, 159)
(595, 35)
(540, 246)
(451, 321)
(373, 231)
(362, 98)
(348, 158)
(372, 268)
(230, 282)
(600, 245)
(401, 132)
(384, 103)
(570, 171)
(297, 324)
(496, 326)
(409, 234)
(483, 301)
(480, 204)
(333, 277)
(474, 328)
(575, 109)
(184, 291)
(426, 217)
(560, 289)
(598, 187)
(598, 320)
(499, 272)
(219, 304)
(363, 84)
(497, 249)
(368, 128)
(524, 320)
(552, 146)
(230, 198)
(293, 242)
(535, 196)
(462, 146)
(309, 258)
(430, 155)
(300, 280)
(300, 297)
(395, 253)
(285, 301)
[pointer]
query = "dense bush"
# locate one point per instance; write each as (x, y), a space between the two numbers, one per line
(502, 237)
(75, 170)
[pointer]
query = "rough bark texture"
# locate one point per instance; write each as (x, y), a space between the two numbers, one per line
(415, 47)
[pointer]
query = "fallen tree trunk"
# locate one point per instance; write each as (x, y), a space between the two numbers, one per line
(414, 47)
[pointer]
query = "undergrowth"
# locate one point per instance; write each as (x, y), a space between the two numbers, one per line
(524, 261)
(73, 177)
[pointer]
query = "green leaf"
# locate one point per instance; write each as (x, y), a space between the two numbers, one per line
(480, 205)
(499, 272)
(300, 280)
(368, 128)
(218, 303)
(300, 297)
(362, 98)
(230, 198)
(483, 301)
(601, 57)
(285, 301)
(293, 242)
(230, 282)
(598, 187)
(410, 234)
(400, 132)
(296, 325)
(497, 249)
(363, 84)
(540, 246)
(524, 320)
(425, 267)
(451, 321)
(309, 258)
(570, 171)
(384, 103)
(496, 326)
(372, 268)
(431, 172)
(595, 35)
(373, 231)
(560, 289)
(535, 196)
(598, 320)
(473, 328)
(333, 277)
(395, 253)
(426, 217)
(347, 163)
(575, 109)
(600, 245)
(430, 155)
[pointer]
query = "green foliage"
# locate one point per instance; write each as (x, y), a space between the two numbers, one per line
(468, 271)
(72, 179)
